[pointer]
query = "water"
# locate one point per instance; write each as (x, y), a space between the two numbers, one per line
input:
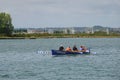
(20, 60)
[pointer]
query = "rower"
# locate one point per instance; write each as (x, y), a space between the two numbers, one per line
(83, 49)
(68, 49)
(75, 48)
(61, 48)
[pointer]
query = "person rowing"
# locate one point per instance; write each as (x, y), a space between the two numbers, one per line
(83, 49)
(68, 49)
(75, 49)
(61, 48)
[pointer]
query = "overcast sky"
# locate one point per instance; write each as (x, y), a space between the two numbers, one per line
(62, 13)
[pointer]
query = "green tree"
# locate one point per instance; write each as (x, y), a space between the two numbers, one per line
(6, 26)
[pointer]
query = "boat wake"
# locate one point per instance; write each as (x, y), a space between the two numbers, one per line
(44, 52)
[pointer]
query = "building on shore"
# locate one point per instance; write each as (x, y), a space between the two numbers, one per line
(107, 31)
(33, 30)
(68, 30)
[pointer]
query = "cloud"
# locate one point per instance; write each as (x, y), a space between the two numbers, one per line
(61, 11)
(81, 7)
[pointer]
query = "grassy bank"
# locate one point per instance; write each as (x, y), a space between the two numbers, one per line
(46, 35)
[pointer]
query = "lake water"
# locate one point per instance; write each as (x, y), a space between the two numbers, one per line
(21, 59)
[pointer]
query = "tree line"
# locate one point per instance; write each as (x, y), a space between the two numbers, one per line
(6, 26)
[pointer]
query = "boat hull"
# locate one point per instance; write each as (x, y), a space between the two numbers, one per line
(57, 52)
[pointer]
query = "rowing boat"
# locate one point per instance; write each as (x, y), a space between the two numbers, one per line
(58, 52)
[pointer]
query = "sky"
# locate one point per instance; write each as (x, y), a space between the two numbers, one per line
(62, 13)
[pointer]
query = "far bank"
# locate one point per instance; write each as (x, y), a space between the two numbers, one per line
(37, 36)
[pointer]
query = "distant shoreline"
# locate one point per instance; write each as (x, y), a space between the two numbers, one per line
(59, 37)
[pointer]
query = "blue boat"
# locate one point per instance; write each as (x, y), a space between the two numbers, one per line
(58, 52)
